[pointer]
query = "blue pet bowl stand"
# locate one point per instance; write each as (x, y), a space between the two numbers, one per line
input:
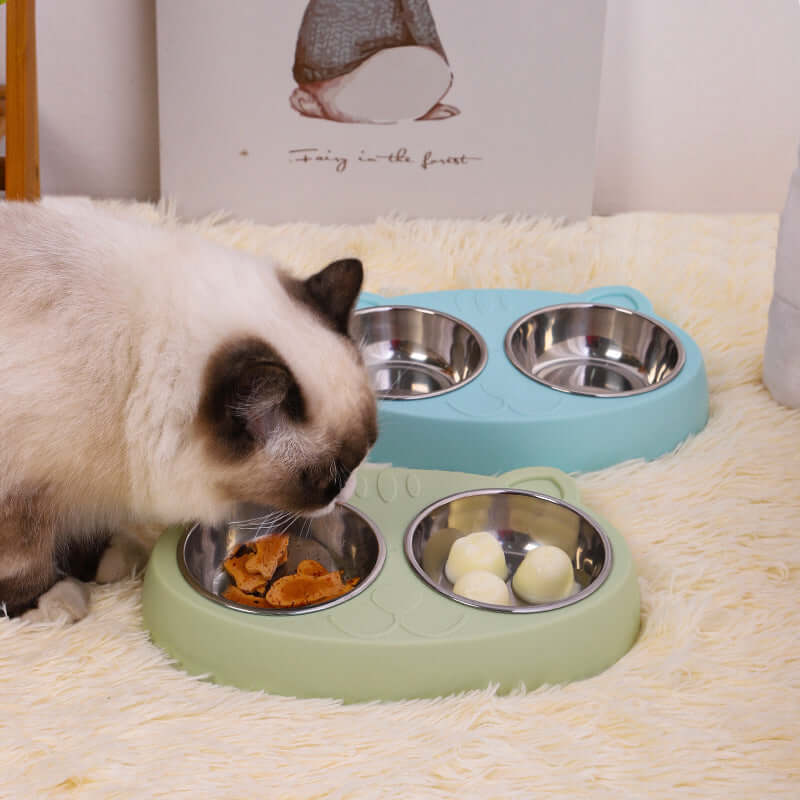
(504, 420)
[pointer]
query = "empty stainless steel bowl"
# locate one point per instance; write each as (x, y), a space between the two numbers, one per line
(520, 521)
(593, 349)
(343, 540)
(413, 353)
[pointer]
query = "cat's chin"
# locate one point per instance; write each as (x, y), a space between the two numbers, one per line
(321, 512)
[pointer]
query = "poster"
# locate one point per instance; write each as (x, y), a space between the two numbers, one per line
(340, 111)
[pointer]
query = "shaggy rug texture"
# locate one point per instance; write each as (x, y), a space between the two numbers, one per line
(705, 705)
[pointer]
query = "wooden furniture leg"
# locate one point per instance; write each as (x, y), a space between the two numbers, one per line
(22, 118)
(2, 134)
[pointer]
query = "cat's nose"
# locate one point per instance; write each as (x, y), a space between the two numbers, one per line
(325, 483)
(314, 480)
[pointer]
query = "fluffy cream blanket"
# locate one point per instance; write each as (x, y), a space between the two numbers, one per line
(707, 703)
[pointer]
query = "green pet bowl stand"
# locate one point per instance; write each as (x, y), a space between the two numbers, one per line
(400, 638)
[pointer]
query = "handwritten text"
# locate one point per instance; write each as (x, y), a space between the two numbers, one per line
(341, 162)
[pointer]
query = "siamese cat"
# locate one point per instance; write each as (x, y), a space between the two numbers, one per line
(149, 377)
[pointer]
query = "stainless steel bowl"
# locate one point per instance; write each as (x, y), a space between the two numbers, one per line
(413, 353)
(593, 349)
(520, 521)
(345, 540)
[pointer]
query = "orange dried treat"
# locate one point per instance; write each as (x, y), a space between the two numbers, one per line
(270, 552)
(236, 567)
(292, 591)
(238, 596)
(345, 588)
(312, 568)
(302, 590)
(253, 566)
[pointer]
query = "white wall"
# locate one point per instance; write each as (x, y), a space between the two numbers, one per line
(98, 107)
(699, 110)
(699, 106)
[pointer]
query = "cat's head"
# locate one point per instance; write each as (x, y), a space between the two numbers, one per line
(287, 415)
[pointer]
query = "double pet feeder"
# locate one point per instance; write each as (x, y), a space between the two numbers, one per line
(473, 386)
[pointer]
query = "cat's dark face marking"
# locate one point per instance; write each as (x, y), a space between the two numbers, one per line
(273, 445)
(249, 391)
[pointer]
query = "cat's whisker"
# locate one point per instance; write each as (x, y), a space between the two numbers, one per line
(276, 516)
(255, 524)
(255, 520)
(241, 522)
(266, 523)
(294, 519)
(401, 373)
(338, 474)
(260, 528)
(282, 520)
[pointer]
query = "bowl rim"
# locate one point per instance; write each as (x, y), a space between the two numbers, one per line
(601, 578)
(588, 393)
(284, 612)
(482, 361)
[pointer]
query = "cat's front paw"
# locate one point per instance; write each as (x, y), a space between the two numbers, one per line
(67, 601)
(123, 558)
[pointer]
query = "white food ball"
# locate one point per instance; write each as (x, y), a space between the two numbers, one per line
(476, 551)
(483, 587)
(544, 576)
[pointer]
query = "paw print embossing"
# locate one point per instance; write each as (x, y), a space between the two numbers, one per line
(481, 403)
(397, 599)
(428, 623)
(371, 622)
(387, 486)
(540, 405)
(362, 486)
(413, 485)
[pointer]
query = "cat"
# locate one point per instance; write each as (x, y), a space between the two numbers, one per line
(150, 377)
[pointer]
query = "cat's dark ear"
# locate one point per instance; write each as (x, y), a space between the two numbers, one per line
(247, 388)
(335, 289)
